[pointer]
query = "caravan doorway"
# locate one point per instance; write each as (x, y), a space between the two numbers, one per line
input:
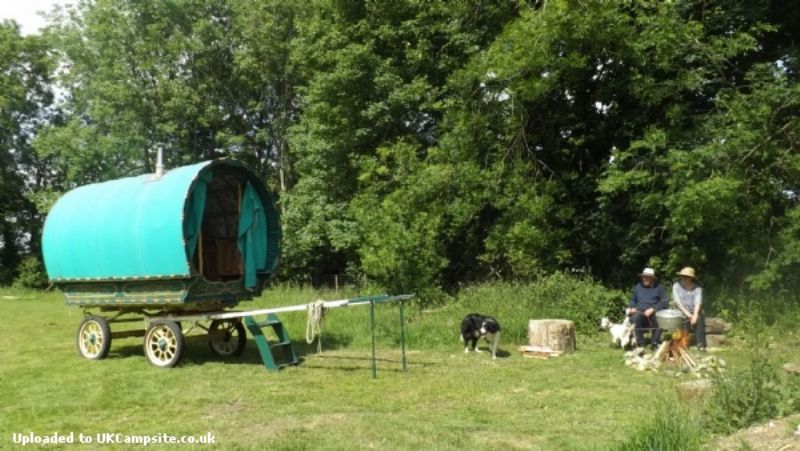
(218, 257)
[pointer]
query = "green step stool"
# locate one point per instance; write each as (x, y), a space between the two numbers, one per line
(274, 355)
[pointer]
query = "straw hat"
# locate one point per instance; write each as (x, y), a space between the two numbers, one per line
(687, 272)
(648, 272)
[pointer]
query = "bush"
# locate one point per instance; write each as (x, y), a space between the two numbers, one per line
(790, 395)
(756, 308)
(744, 397)
(30, 274)
(558, 295)
(672, 428)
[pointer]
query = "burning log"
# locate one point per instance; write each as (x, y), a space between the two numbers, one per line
(679, 348)
(688, 359)
(661, 351)
(676, 350)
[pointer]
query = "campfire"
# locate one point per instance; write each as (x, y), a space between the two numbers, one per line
(676, 349)
(674, 352)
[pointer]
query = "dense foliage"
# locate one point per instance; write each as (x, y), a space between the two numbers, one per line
(426, 144)
(25, 98)
(750, 395)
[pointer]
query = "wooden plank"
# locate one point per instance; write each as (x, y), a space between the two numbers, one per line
(538, 352)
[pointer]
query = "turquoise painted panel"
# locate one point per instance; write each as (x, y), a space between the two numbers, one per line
(137, 228)
(125, 228)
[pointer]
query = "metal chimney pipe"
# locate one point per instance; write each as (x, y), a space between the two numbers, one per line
(159, 163)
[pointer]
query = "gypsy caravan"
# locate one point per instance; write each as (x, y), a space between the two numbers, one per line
(196, 239)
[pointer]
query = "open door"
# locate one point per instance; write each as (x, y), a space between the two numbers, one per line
(252, 236)
(226, 228)
(217, 256)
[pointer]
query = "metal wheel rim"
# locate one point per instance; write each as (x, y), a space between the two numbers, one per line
(228, 345)
(162, 345)
(92, 339)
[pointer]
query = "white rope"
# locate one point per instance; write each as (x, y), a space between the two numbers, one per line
(316, 313)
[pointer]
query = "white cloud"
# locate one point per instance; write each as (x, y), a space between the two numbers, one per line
(26, 12)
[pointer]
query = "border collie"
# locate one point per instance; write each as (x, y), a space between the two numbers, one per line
(474, 326)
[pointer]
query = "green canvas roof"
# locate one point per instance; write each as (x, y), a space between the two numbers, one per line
(138, 227)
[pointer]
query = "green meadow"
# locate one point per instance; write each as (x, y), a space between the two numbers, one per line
(445, 400)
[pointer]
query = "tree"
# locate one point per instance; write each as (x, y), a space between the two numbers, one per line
(202, 79)
(376, 80)
(715, 193)
(733, 197)
(430, 144)
(564, 145)
(24, 99)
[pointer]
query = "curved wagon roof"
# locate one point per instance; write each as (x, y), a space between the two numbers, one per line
(144, 227)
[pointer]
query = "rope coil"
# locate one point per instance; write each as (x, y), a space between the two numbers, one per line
(316, 314)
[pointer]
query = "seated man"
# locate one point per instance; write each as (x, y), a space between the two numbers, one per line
(648, 298)
(687, 295)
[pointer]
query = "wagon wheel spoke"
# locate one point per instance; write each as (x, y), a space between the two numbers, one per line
(164, 343)
(227, 337)
(94, 337)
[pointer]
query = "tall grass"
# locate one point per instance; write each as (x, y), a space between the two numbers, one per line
(557, 296)
(513, 304)
(737, 304)
(671, 428)
(342, 326)
(435, 325)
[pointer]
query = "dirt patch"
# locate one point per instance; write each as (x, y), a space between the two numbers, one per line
(774, 435)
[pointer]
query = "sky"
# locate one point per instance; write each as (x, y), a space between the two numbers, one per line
(25, 12)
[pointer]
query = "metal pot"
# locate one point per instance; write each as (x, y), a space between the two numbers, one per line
(669, 319)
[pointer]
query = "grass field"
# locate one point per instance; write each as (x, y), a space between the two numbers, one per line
(446, 399)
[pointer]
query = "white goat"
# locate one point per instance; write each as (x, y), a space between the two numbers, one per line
(621, 334)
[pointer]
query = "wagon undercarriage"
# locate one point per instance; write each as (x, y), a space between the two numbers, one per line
(164, 337)
(165, 332)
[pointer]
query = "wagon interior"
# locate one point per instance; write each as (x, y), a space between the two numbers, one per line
(218, 258)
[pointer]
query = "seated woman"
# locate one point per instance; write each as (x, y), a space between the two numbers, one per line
(687, 295)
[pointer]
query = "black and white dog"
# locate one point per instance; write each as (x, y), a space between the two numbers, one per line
(474, 326)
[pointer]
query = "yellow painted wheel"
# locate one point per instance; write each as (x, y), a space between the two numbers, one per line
(163, 343)
(227, 337)
(94, 338)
